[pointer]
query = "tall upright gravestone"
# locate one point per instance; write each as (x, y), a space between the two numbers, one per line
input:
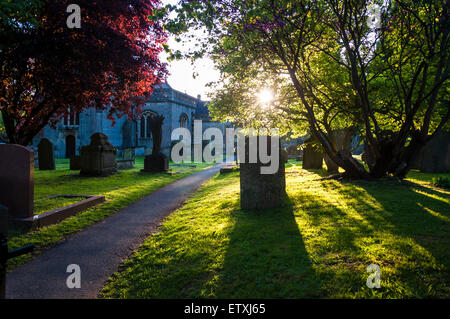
(16, 180)
(46, 157)
(261, 191)
(157, 161)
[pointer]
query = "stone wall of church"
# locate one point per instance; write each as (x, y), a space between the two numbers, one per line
(177, 108)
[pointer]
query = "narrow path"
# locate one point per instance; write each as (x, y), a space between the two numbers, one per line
(100, 248)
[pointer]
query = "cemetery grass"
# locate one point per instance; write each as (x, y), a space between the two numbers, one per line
(120, 190)
(318, 245)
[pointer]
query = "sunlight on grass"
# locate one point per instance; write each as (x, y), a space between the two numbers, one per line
(120, 190)
(317, 245)
(434, 213)
(434, 196)
(47, 204)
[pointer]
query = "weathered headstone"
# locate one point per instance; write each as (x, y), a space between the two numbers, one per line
(294, 151)
(260, 191)
(435, 156)
(99, 157)
(128, 134)
(157, 161)
(16, 180)
(45, 155)
(312, 155)
(75, 163)
(127, 159)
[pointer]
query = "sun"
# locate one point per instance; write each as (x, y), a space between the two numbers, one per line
(265, 96)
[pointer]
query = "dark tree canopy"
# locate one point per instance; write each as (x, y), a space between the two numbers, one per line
(334, 64)
(48, 68)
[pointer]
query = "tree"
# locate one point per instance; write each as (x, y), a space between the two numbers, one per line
(342, 68)
(410, 57)
(112, 60)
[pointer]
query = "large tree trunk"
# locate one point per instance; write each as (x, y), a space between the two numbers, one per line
(341, 140)
(394, 157)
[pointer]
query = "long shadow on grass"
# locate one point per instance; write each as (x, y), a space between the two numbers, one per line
(411, 210)
(407, 212)
(266, 257)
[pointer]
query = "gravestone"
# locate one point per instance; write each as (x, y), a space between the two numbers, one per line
(75, 163)
(127, 159)
(260, 191)
(435, 155)
(293, 151)
(284, 155)
(99, 157)
(45, 155)
(156, 161)
(129, 134)
(16, 180)
(312, 155)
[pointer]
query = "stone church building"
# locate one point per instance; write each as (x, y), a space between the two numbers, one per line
(179, 110)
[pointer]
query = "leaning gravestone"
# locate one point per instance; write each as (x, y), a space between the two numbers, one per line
(16, 180)
(45, 155)
(312, 155)
(99, 157)
(260, 191)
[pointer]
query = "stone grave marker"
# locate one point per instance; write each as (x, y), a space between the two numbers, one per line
(17, 180)
(75, 163)
(312, 156)
(260, 191)
(46, 158)
(99, 157)
(156, 161)
(435, 155)
(127, 159)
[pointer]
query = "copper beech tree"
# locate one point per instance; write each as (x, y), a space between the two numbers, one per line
(49, 68)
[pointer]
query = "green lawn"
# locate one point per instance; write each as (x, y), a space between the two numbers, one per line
(120, 190)
(317, 245)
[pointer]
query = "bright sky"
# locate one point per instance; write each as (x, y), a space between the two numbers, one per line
(181, 72)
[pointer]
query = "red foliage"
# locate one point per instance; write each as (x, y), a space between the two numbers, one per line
(111, 60)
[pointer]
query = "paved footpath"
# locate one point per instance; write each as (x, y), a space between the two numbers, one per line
(100, 248)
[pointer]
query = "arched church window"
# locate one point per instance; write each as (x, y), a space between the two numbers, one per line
(145, 131)
(184, 120)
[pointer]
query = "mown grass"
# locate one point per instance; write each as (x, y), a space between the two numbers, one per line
(47, 204)
(318, 244)
(120, 190)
